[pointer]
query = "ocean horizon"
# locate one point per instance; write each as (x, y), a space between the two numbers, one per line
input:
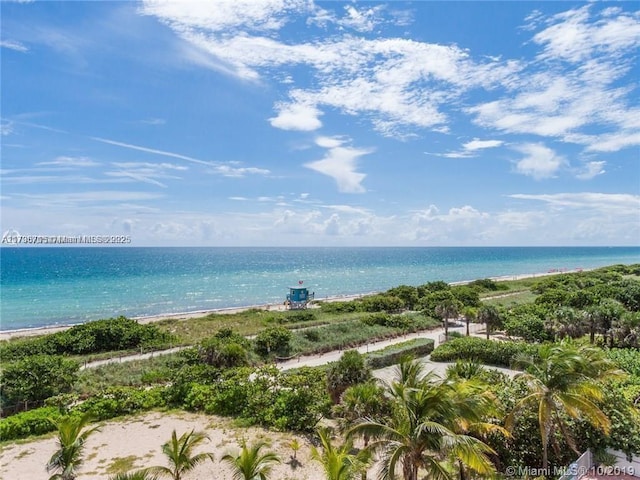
(52, 286)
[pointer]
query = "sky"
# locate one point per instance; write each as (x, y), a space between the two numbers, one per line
(302, 123)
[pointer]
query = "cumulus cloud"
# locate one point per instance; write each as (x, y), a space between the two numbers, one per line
(297, 117)
(538, 161)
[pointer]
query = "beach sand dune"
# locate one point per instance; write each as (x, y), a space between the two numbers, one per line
(136, 442)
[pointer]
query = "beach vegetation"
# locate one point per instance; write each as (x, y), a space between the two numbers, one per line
(426, 427)
(491, 317)
(393, 354)
(350, 370)
(251, 463)
(29, 381)
(339, 462)
(113, 334)
(72, 434)
(273, 341)
(487, 352)
(561, 382)
(181, 456)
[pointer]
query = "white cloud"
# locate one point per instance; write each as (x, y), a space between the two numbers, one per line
(297, 117)
(14, 45)
(620, 204)
(71, 162)
(571, 36)
(469, 149)
(399, 84)
(591, 170)
(539, 161)
(340, 163)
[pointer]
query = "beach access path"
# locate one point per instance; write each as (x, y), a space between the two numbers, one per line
(316, 360)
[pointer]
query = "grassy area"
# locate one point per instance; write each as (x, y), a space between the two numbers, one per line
(511, 299)
(246, 323)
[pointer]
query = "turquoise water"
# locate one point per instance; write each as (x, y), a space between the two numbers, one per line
(51, 286)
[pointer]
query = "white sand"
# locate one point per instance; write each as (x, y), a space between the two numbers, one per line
(140, 438)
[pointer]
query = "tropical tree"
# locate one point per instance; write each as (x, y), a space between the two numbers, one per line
(72, 436)
(138, 475)
(421, 433)
(338, 462)
(366, 400)
(448, 307)
(563, 383)
(250, 463)
(180, 455)
(350, 370)
(470, 314)
(490, 316)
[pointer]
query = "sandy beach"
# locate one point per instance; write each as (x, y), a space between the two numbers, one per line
(136, 441)
(29, 332)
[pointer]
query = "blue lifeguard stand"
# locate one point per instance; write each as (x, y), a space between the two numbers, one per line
(298, 298)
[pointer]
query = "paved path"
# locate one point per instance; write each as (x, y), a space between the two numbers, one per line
(315, 360)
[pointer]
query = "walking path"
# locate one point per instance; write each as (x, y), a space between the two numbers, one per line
(316, 360)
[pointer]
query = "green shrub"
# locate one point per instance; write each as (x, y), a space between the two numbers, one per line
(25, 424)
(339, 307)
(273, 340)
(381, 303)
(299, 316)
(117, 401)
(36, 378)
(111, 334)
(482, 351)
(392, 354)
(350, 370)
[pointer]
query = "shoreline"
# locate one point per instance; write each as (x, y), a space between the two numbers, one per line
(145, 319)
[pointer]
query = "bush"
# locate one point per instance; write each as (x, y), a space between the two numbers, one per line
(339, 307)
(297, 317)
(36, 378)
(350, 370)
(482, 351)
(381, 303)
(224, 350)
(392, 354)
(117, 401)
(273, 340)
(92, 337)
(25, 424)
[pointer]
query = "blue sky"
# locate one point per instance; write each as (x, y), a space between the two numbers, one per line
(292, 122)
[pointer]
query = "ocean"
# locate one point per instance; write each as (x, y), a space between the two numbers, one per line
(42, 287)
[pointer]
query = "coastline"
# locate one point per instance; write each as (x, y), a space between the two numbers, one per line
(45, 330)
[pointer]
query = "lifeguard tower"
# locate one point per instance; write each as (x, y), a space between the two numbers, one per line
(298, 298)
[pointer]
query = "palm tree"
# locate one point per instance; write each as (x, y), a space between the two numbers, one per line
(338, 462)
(469, 314)
(138, 475)
(563, 382)
(366, 400)
(250, 464)
(179, 453)
(490, 316)
(421, 431)
(447, 308)
(72, 437)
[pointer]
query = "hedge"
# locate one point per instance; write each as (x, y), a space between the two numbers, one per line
(393, 354)
(483, 351)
